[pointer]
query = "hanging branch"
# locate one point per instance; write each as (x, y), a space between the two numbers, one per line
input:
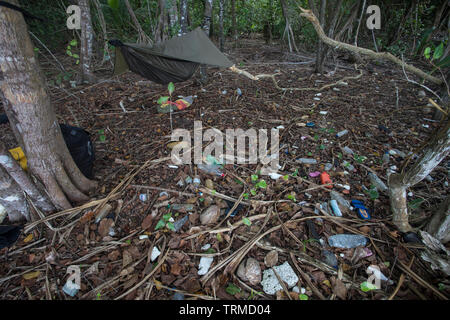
(367, 52)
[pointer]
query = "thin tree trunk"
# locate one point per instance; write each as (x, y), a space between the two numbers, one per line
(32, 118)
(161, 29)
(233, 21)
(207, 28)
(359, 22)
(101, 18)
(173, 16)
(320, 47)
(288, 28)
(437, 149)
(331, 28)
(87, 44)
(221, 35)
(12, 198)
(183, 17)
(142, 37)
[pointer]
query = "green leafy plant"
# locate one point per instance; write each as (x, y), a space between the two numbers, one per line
(101, 135)
(232, 289)
(164, 99)
(246, 221)
(165, 221)
(72, 44)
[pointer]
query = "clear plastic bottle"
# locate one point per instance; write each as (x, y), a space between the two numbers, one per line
(347, 241)
(329, 258)
(377, 182)
(348, 150)
(348, 165)
(336, 196)
(386, 158)
(341, 133)
(211, 168)
(307, 161)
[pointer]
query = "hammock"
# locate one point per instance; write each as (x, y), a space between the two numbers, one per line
(174, 60)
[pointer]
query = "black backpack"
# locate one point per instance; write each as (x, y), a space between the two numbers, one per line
(80, 146)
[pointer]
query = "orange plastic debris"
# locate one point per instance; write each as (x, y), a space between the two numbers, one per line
(325, 179)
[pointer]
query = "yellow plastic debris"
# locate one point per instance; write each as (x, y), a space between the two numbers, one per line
(19, 155)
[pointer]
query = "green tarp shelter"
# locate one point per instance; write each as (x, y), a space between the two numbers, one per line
(174, 60)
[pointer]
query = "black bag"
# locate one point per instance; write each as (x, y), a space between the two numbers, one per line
(80, 147)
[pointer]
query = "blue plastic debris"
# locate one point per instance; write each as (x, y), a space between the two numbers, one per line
(362, 211)
(310, 124)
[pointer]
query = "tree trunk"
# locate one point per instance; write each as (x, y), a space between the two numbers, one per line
(142, 37)
(436, 150)
(183, 17)
(173, 16)
(320, 47)
(221, 35)
(101, 18)
(161, 29)
(331, 29)
(32, 118)
(233, 21)
(87, 44)
(288, 28)
(12, 198)
(206, 27)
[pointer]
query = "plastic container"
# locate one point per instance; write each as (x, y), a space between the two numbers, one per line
(341, 133)
(347, 241)
(336, 196)
(328, 166)
(386, 158)
(348, 150)
(348, 165)
(335, 207)
(307, 161)
(211, 169)
(325, 179)
(377, 182)
(182, 206)
(329, 258)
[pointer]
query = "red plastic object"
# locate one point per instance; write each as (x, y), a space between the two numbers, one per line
(325, 179)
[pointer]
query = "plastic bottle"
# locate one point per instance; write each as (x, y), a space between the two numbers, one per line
(348, 165)
(307, 161)
(377, 182)
(330, 258)
(341, 133)
(182, 206)
(335, 207)
(386, 158)
(348, 150)
(335, 196)
(211, 168)
(328, 166)
(347, 241)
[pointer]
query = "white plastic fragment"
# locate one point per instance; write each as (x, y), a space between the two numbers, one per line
(206, 247)
(155, 254)
(143, 236)
(270, 282)
(274, 175)
(205, 264)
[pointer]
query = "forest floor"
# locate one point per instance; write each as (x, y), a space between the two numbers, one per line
(115, 255)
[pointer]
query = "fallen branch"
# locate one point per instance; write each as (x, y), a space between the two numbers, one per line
(272, 76)
(367, 52)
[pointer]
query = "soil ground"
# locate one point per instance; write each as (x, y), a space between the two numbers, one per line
(114, 254)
